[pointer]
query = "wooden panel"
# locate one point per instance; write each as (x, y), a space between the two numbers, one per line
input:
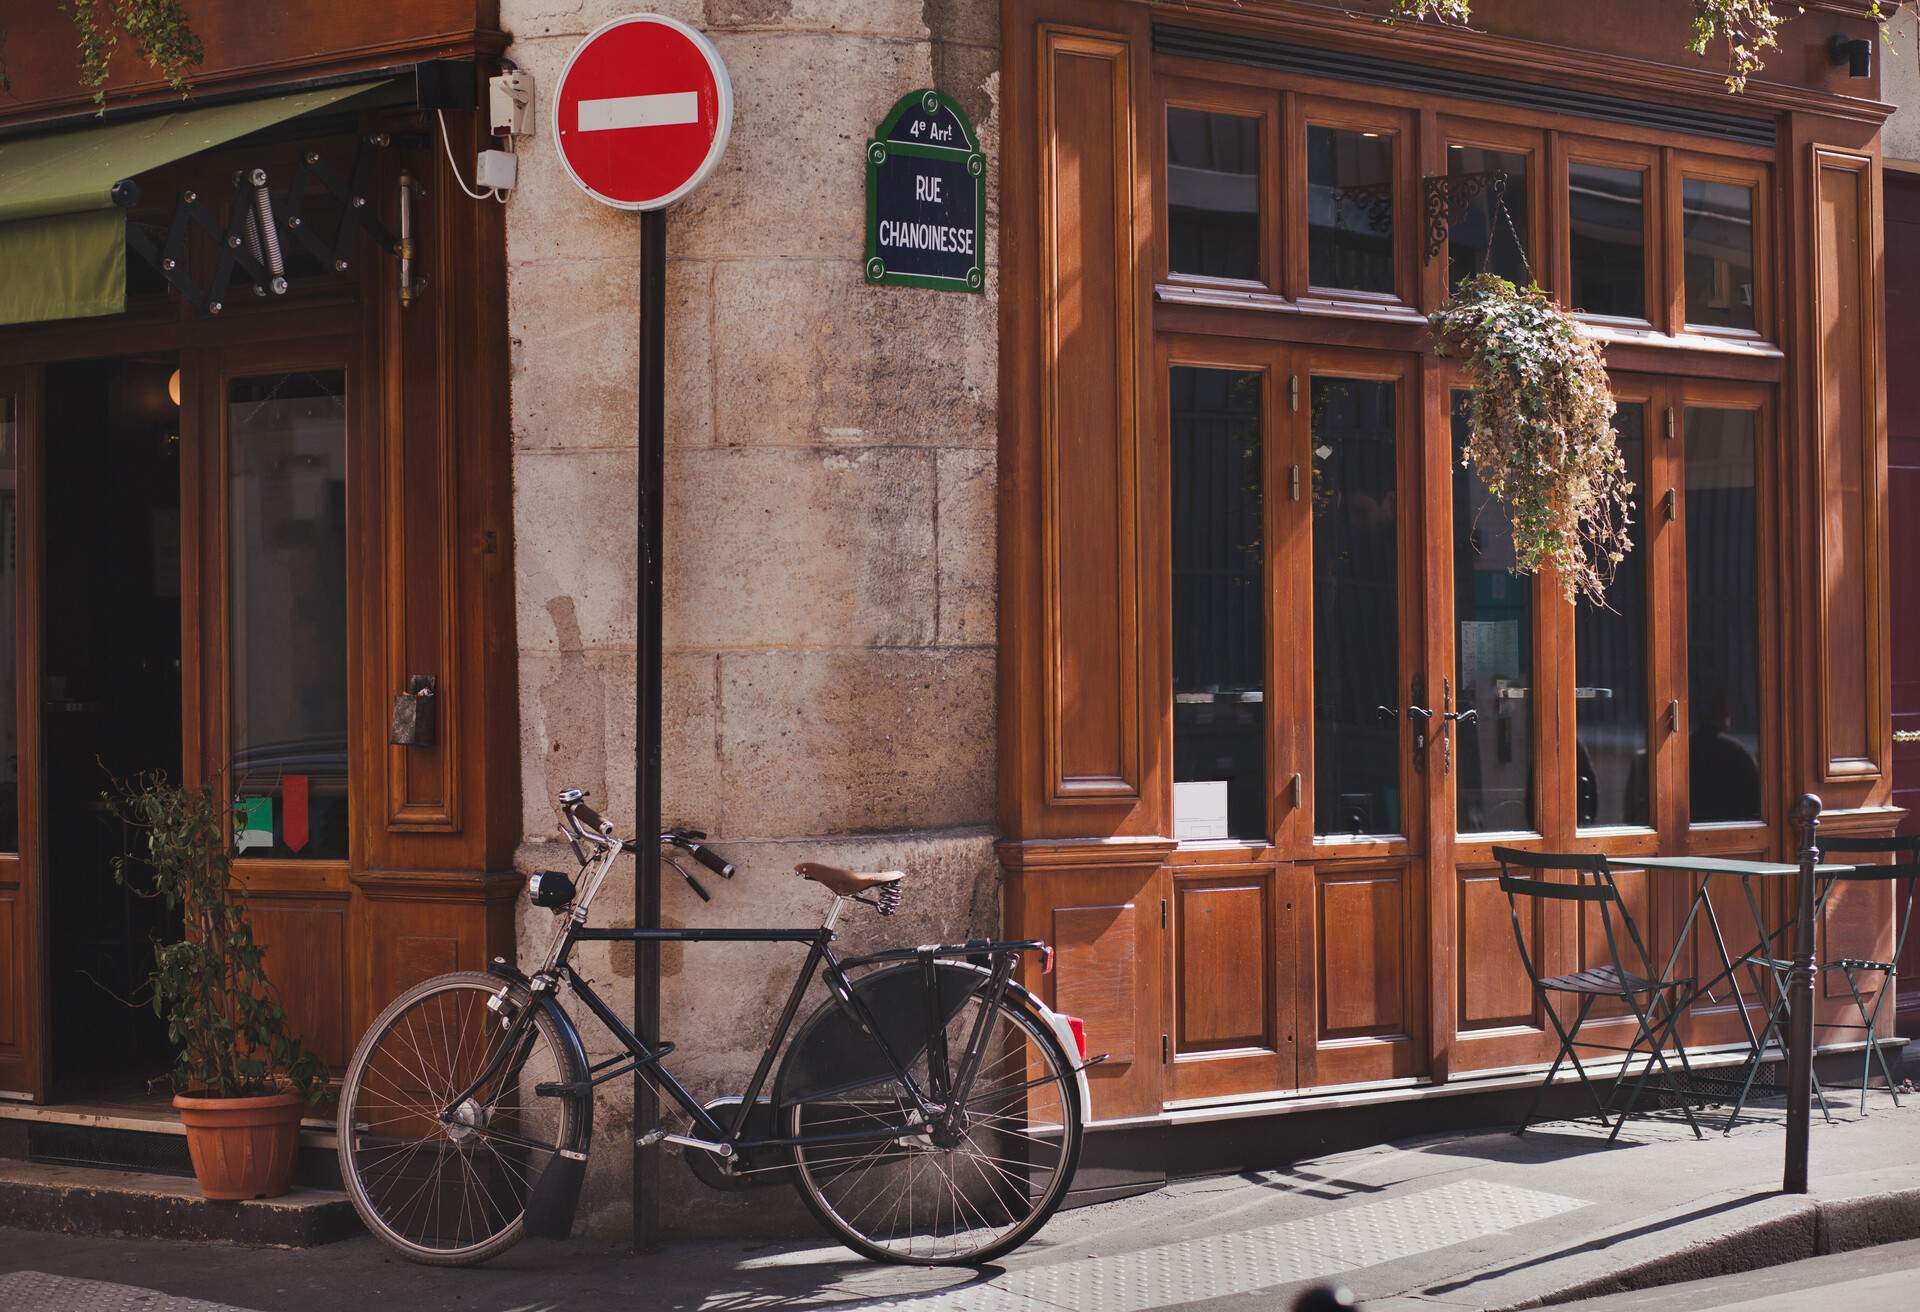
(1223, 955)
(306, 947)
(12, 975)
(245, 43)
(1097, 968)
(1903, 526)
(1363, 959)
(1494, 990)
(1846, 408)
(1089, 570)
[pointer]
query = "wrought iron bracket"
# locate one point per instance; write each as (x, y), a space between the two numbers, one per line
(1444, 199)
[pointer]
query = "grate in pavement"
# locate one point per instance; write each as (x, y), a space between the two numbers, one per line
(1246, 1261)
(40, 1292)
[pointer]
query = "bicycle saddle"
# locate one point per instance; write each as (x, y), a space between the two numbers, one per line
(846, 883)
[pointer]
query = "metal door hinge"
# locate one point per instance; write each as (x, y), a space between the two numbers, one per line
(1670, 505)
(1163, 913)
(1670, 429)
(1293, 392)
(1299, 790)
(1293, 481)
(1166, 1052)
(1673, 716)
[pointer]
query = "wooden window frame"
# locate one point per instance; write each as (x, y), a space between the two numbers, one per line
(1681, 166)
(1569, 150)
(1306, 112)
(1481, 134)
(1241, 101)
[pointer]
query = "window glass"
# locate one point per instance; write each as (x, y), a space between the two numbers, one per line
(1606, 214)
(1481, 237)
(1357, 706)
(1350, 210)
(9, 587)
(1723, 615)
(1219, 607)
(1610, 666)
(1213, 194)
(1717, 219)
(287, 541)
(1492, 657)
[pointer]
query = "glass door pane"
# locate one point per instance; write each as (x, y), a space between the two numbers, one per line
(1219, 606)
(287, 630)
(1492, 655)
(1610, 666)
(1723, 615)
(1357, 692)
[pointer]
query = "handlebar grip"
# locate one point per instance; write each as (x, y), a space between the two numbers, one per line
(587, 817)
(711, 859)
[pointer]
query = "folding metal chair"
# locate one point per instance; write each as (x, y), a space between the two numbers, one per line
(1905, 867)
(1655, 1019)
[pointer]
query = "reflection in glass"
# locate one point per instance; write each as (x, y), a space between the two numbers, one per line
(1492, 655)
(1723, 616)
(1350, 210)
(1213, 194)
(1480, 239)
(1219, 607)
(1718, 223)
(1610, 666)
(1357, 707)
(1606, 215)
(9, 584)
(287, 539)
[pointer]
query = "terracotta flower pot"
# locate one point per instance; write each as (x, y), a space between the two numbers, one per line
(242, 1147)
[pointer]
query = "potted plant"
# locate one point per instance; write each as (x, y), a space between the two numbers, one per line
(241, 1078)
(1541, 430)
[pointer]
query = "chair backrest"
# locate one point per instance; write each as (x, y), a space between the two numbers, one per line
(1593, 883)
(1905, 849)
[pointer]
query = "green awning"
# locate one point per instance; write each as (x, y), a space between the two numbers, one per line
(63, 240)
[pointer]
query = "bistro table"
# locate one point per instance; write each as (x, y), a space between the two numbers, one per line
(1762, 956)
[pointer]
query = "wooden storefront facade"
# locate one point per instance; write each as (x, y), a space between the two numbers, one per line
(235, 536)
(1246, 586)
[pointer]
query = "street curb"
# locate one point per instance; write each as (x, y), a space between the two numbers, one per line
(1790, 1228)
(85, 1201)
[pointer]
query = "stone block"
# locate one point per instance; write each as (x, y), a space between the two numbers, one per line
(800, 547)
(793, 181)
(575, 18)
(575, 331)
(969, 554)
(573, 524)
(843, 741)
(810, 354)
(897, 18)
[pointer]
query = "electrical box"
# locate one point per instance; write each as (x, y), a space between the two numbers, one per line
(510, 104)
(497, 169)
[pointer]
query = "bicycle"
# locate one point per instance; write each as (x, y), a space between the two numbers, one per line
(927, 1111)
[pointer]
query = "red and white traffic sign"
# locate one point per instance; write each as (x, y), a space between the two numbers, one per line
(642, 111)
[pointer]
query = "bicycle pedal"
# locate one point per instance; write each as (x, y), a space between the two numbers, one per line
(651, 1137)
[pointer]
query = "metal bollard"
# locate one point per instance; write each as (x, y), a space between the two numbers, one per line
(1800, 1004)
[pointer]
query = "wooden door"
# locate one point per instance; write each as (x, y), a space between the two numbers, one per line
(23, 932)
(1903, 503)
(1367, 691)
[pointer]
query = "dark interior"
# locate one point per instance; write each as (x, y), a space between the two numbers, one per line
(110, 705)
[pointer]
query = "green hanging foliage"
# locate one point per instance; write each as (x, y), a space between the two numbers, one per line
(1541, 430)
(158, 29)
(1749, 28)
(211, 987)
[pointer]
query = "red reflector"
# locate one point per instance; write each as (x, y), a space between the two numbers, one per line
(1079, 1028)
(1046, 961)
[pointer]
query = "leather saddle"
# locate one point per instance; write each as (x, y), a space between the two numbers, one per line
(846, 883)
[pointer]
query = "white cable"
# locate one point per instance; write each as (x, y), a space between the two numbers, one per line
(445, 140)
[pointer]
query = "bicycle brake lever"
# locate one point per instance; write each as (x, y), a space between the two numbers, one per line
(688, 876)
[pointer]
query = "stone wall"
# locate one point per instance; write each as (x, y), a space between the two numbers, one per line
(1900, 85)
(829, 552)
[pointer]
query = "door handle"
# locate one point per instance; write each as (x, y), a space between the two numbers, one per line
(1463, 717)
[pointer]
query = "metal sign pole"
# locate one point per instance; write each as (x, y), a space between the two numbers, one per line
(646, 764)
(1800, 1004)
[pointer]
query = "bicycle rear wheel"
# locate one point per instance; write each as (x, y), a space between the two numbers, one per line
(913, 1195)
(450, 1191)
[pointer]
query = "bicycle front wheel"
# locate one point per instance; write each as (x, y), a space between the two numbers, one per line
(440, 1178)
(905, 1191)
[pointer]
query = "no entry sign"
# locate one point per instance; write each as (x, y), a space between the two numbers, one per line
(642, 111)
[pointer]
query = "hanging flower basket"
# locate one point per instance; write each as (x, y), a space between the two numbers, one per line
(1541, 430)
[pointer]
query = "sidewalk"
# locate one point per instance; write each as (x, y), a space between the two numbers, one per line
(1485, 1221)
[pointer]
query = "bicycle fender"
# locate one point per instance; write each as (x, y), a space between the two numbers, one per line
(575, 1051)
(1071, 1047)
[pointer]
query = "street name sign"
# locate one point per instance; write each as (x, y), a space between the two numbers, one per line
(926, 197)
(642, 111)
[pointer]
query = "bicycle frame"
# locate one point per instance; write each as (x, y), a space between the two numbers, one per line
(646, 1054)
